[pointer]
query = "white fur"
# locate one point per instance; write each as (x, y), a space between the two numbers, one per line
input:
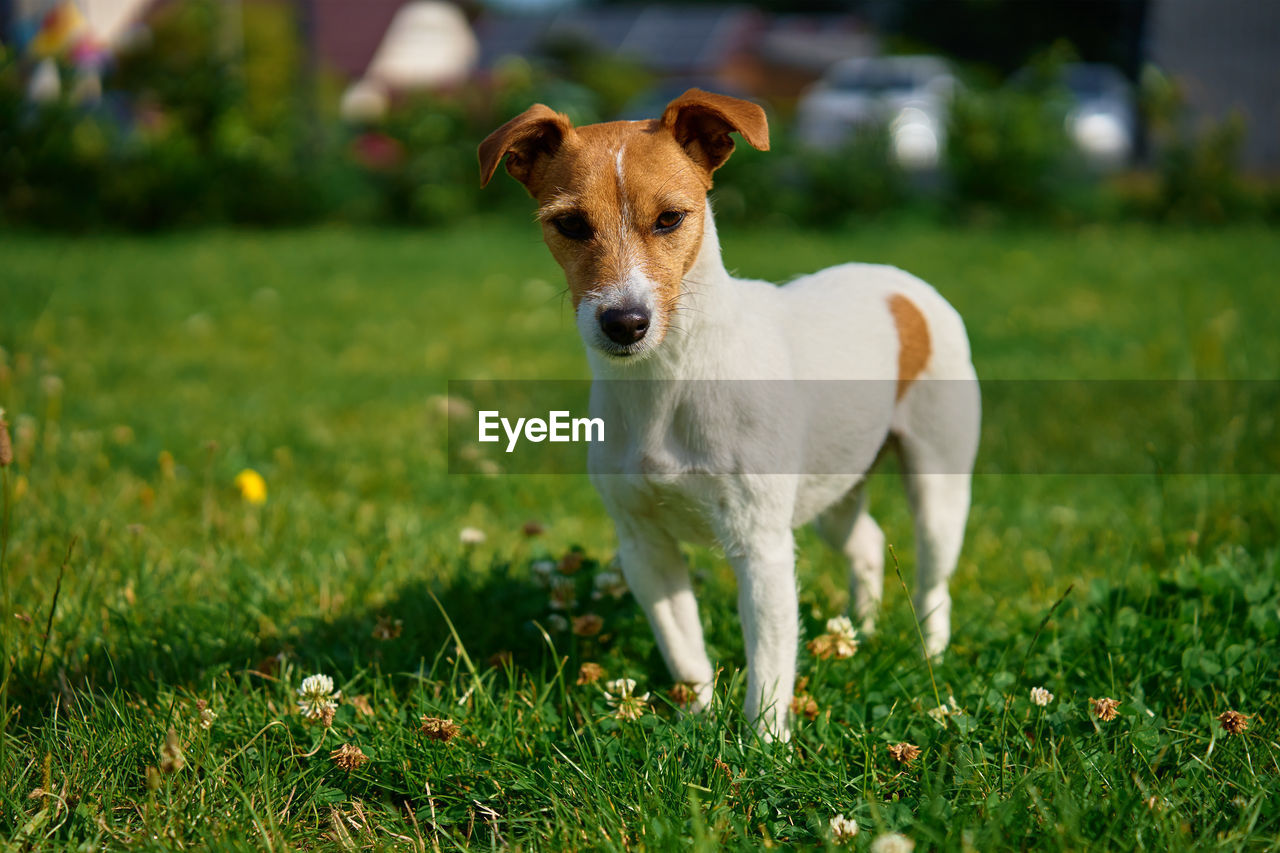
(665, 482)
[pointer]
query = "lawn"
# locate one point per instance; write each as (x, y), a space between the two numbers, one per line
(162, 367)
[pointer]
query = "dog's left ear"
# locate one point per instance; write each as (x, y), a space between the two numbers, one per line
(702, 121)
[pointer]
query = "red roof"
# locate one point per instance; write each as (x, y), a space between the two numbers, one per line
(347, 34)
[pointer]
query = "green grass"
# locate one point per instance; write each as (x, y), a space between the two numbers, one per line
(317, 358)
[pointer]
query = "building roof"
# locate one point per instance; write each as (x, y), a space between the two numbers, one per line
(346, 41)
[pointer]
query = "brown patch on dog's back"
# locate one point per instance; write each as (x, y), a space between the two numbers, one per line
(913, 340)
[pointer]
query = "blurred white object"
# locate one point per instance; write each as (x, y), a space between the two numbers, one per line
(364, 101)
(915, 139)
(111, 20)
(1099, 105)
(45, 84)
(1102, 136)
(1103, 121)
(428, 44)
(909, 94)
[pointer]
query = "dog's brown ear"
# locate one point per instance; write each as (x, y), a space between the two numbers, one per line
(702, 121)
(535, 133)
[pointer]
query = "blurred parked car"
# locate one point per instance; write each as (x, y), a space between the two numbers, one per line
(1100, 107)
(908, 94)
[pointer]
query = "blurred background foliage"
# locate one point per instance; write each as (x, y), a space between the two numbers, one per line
(201, 126)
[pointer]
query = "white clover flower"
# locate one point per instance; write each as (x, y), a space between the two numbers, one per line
(842, 828)
(557, 623)
(940, 713)
(1040, 696)
(316, 696)
(841, 626)
(621, 694)
(543, 570)
(892, 843)
(207, 716)
(471, 536)
(609, 583)
(840, 640)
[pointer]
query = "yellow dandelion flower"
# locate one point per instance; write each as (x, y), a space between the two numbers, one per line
(252, 487)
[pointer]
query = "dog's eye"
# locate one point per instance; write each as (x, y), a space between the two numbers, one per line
(573, 226)
(668, 220)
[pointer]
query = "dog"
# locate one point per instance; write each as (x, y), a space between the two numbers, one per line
(705, 457)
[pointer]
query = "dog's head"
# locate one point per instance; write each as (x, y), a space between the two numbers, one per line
(622, 204)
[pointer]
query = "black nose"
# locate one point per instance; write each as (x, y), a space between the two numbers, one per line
(625, 325)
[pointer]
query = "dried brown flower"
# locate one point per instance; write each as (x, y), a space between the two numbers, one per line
(349, 757)
(533, 528)
(904, 753)
(839, 641)
(361, 704)
(564, 593)
(587, 625)
(831, 646)
(326, 715)
(681, 694)
(6, 445)
(440, 729)
(387, 628)
(171, 758)
(1104, 709)
(590, 673)
(804, 706)
(1233, 722)
(570, 563)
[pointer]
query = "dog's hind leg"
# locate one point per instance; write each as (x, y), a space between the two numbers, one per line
(938, 440)
(851, 531)
(658, 577)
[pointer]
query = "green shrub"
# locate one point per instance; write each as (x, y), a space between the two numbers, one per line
(1197, 169)
(1008, 151)
(791, 185)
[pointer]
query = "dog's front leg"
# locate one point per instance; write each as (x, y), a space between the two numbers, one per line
(769, 609)
(659, 579)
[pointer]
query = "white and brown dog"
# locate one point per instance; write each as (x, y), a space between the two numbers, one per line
(706, 458)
